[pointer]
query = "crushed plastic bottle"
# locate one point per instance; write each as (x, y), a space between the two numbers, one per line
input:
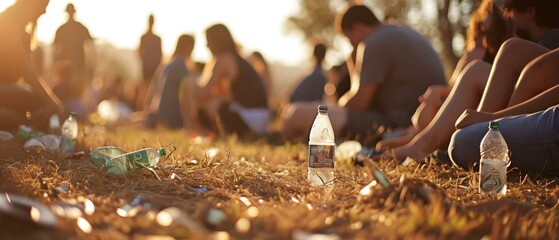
(34, 143)
(147, 157)
(100, 156)
(5, 136)
(69, 134)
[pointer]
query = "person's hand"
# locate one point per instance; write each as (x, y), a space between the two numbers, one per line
(470, 117)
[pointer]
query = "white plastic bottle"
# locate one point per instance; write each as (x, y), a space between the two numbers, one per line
(493, 162)
(69, 134)
(321, 150)
(124, 163)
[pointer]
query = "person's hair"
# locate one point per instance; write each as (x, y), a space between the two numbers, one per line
(492, 36)
(546, 10)
(185, 44)
(353, 14)
(258, 56)
(220, 39)
(319, 52)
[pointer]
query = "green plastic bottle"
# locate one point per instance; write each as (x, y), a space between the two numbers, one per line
(147, 157)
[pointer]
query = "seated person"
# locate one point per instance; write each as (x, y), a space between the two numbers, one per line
(385, 83)
(164, 92)
(488, 29)
(492, 93)
(16, 100)
(229, 97)
(529, 125)
(311, 88)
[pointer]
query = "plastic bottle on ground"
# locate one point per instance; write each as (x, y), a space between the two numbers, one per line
(493, 162)
(321, 150)
(101, 155)
(69, 134)
(147, 157)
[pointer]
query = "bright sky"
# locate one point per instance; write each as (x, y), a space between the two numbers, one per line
(255, 24)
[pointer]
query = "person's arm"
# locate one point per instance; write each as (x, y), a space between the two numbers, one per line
(12, 23)
(364, 81)
(216, 76)
(540, 102)
(39, 86)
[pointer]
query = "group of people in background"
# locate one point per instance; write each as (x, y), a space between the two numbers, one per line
(393, 81)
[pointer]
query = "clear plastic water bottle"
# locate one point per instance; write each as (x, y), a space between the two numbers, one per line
(147, 157)
(101, 155)
(493, 162)
(69, 134)
(321, 150)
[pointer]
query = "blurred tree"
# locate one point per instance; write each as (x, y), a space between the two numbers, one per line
(315, 20)
(443, 22)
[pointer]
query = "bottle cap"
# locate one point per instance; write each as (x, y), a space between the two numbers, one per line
(322, 108)
(494, 125)
(161, 152)
(73, 115)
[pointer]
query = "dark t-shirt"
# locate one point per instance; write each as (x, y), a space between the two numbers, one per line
(71, 37)
(248, 88)
(404, 65)
(550, 39)
(311, 88)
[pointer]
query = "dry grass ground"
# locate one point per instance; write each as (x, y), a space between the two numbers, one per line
(258, 191)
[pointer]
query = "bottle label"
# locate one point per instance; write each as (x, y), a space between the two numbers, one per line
(321, 156)
(138, 156)
(492, 175)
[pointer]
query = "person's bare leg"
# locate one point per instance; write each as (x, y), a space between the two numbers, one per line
(513, 56)
(465, 94)
(297, 119)
(538, 76)
(431, 102)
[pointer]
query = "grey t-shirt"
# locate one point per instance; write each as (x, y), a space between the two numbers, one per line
(404, 64)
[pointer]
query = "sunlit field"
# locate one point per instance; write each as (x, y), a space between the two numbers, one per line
(256, 189)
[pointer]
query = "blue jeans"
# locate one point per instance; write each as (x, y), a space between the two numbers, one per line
(532, 139)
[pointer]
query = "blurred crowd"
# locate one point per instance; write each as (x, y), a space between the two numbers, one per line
(391, 93)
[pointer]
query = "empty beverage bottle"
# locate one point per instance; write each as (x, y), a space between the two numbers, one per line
(101, 155)
(147, 157)
(69, 134)
(321, 150)
(493, 162)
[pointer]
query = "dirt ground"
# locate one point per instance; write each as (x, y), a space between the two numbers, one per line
(256, 190)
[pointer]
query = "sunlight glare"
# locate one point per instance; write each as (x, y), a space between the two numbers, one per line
(367, 190)
(84, 225)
